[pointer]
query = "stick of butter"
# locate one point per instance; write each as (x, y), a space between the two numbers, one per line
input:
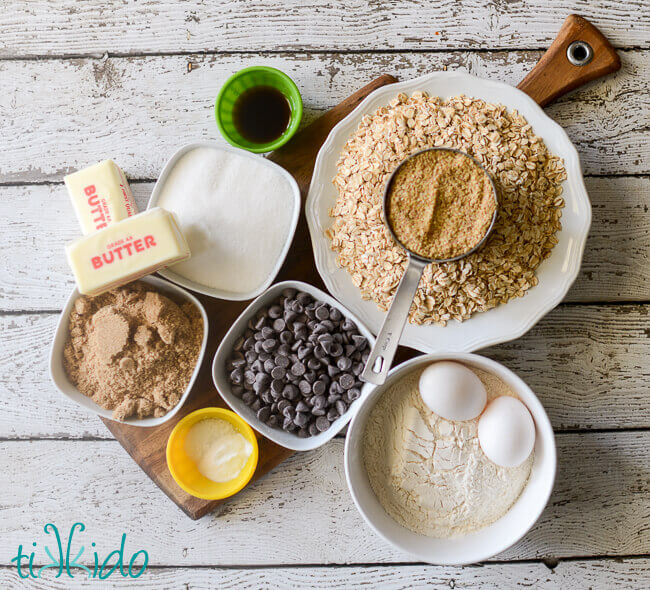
(126, 251)
(100, 195)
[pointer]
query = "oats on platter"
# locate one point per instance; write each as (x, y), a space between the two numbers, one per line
(527, 177)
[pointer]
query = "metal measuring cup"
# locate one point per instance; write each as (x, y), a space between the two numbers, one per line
(381, 356)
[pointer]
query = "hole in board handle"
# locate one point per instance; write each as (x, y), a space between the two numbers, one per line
(379, 363)
(579, 53)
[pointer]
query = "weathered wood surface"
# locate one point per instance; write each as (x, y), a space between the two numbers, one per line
(303, 513)
(624, 574)
(140, 110)
(588, 365)
(38, 220)
(38, 27)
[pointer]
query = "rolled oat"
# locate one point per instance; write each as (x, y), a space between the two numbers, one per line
(528, 181)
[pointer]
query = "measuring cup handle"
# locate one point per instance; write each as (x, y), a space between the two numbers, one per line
(381, 356)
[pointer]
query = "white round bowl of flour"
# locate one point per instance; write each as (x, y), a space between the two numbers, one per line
(465, 547)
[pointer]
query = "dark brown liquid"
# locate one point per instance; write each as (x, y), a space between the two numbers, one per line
(261, 114)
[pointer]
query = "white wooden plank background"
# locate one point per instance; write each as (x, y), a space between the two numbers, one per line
(82, 81)
(71, 27)
(141, 109)
(594, 573)
(302, 513)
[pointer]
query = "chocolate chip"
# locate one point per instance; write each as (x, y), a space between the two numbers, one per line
(332, 414)
(275, 311)
(301, 406)
(286, 337)
(303, 433)
(313, 429)
(335, 350)
(298, 369)
(289, 293)
(304, 352)
(333, 370)
(346, 381)
(322, 313)
(344, 363)
(282, 361)
(310, 376)
(319, 387)
(322, 423)
(264, 413)
(277, 372)
(319, 401)
(300, 419)
(354, 394)
(269, 345)
(290, 392)
(341, 407)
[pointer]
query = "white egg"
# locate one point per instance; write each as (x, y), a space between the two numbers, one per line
(506, 432)
(453, 391)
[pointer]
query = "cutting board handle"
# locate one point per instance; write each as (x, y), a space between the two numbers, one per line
(579, 54)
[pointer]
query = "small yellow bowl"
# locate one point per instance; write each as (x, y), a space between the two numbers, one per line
(184, 470)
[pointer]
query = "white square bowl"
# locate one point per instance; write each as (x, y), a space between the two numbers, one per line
(220, 375)
(63, 384)
(169, 273)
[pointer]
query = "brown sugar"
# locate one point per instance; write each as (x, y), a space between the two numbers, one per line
(440, 204)
(133, 350)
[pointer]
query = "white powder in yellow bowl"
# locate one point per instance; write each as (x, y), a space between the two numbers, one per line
(430, 474)
(218, 449)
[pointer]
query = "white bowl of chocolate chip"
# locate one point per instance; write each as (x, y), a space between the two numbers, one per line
(290, 365)
(134, 347)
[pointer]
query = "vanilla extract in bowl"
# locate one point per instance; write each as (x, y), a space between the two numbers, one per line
(261, 114)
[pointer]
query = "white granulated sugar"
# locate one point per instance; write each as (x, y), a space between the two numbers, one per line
(235, 213)
(430, 474)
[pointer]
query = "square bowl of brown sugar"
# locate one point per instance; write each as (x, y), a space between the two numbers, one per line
(132, 354)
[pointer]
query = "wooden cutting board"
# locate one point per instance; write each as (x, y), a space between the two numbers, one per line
(147, 446)
(552, 77)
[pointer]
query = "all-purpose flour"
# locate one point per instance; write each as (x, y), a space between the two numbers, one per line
(235, 214)
(430, 474)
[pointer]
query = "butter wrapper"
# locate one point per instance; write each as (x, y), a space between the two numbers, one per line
(126, 251)
(100, 195)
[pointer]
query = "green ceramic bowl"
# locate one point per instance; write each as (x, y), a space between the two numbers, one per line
(249, 78)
